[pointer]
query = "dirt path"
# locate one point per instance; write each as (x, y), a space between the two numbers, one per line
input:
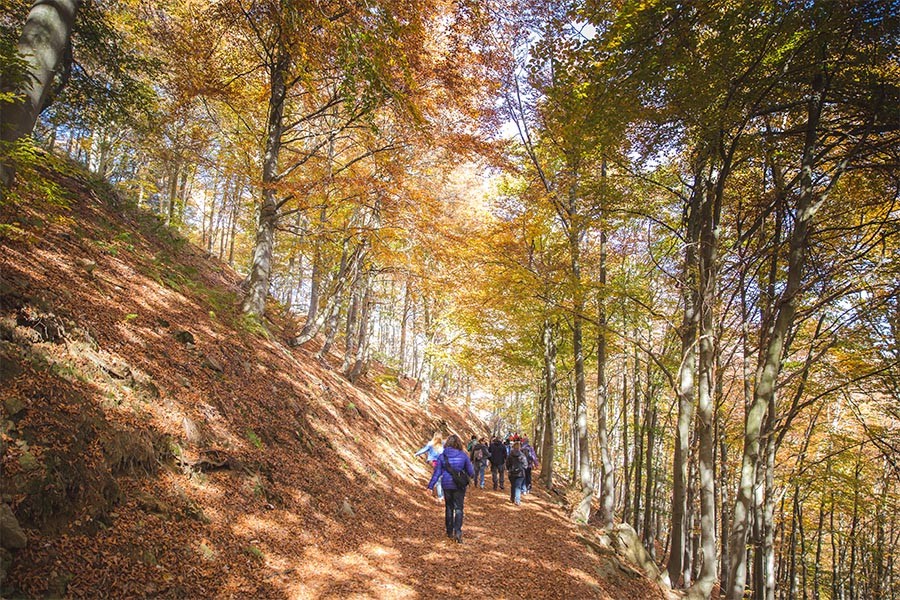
(529, 551)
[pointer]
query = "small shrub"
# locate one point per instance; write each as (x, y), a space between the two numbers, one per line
(14, 233)
(254, 439)
(254, 552)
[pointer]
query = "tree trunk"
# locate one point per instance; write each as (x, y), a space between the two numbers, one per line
(709, 231)
(775, 346)
(686, 372)
(351, 333)
(361, 361)
(407, 297)
(173, 191)
(261, 266)
(639, 429)
(549, 417)
(348, 266)
(607, 469)
(649, 537)
(43, 45)
(426, 372)
(582, 511)
(626, 465)
(315, 286)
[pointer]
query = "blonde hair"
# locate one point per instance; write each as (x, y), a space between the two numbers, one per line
(437, 441)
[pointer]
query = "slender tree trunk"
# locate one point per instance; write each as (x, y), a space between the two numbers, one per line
(607, 481)
(351, 333)
(234, 224)
(549, 427)
(426, 374)
(835, 557)
(404, 317)
(649, 537)
(261, 266)
(768, 548)
(626, 465)
(639, 429)
(854, 524)
(44, 45)
(796, 515)
(818, 556)
(724, 502)
(775, 346)
(686, 373)
(709, 232)
(361, 360)
(582, 511)
(349, 264)
(173, 192)
(312, 310)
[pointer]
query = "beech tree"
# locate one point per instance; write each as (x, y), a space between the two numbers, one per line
(42, 48)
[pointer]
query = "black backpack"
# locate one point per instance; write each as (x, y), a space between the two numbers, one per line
(516, 468)
(478, 454)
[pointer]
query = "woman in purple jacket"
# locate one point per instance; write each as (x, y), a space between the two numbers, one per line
(454, 457)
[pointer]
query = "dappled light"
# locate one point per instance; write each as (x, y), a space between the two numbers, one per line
(277, 277)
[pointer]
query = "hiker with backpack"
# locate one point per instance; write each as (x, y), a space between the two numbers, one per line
(533, 462)
(497, 455)
(471, 444)
(454, 471)
(479, 457)
(434, 449)
(516, 463)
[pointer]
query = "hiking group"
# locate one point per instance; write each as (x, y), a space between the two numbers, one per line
(455, 469)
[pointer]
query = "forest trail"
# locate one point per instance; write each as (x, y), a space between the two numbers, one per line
(153, 444)
(510, 552)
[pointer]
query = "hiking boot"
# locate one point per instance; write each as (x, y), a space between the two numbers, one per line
(458, 537)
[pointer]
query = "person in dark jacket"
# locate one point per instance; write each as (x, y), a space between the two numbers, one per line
(455, 458)
(498, 461)
(516, 463)
(533, 463)
(479, 456)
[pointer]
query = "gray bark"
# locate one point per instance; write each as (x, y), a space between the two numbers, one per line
(264, 249)
(607, 469)
(549, 417)
(770, 366)
(709, 232)
(361, 356)
(685, 392)
(315, 286)
(407, 297)
(45, 37)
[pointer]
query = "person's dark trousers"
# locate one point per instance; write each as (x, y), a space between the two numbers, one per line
(453, 511)
(498, 471)
(527, 486)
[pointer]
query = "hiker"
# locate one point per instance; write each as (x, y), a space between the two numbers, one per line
(497, 453)
(533, 463)
(454, 471)
(516, 463)
(471, 443)
(479, 456)
(434, 449)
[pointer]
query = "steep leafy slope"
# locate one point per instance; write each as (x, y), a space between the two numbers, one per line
(156, 443)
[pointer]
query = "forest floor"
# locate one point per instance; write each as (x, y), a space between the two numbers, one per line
(156, 443)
